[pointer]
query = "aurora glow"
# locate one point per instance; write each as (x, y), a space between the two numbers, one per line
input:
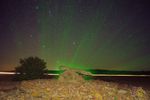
(97, 34)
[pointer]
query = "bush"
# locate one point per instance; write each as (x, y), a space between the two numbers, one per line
(30, 68)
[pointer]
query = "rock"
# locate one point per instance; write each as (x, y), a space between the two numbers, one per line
(122, 91)
(140, 92)
(70, 75)
(98, 96)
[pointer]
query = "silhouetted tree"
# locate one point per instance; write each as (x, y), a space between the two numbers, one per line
(30, 68)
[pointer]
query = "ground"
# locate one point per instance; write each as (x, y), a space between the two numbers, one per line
(71, 86)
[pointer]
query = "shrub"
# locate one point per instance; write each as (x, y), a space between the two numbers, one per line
(30, 68)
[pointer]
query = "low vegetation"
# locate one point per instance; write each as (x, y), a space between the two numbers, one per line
(30, 68)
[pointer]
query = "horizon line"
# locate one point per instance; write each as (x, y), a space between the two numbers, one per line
(94, 75)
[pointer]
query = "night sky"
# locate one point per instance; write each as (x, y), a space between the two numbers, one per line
(97, 34)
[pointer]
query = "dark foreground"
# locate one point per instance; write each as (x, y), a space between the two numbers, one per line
(129, 80)
(72, 86)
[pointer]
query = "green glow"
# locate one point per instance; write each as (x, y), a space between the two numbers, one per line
(70, 65)
(97, 40)
(86, 34)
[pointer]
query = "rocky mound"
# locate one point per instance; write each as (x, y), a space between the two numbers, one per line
(70, 75)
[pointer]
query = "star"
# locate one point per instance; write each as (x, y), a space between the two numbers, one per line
(80, 11)
(20, 43)
(31, 35)
(43, 46)
(50, 13)
(57, 61)
(37, 7)
(74, 43)
(39, 21)
(79, 1)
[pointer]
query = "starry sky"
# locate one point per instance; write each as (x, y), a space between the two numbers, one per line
(96, 34)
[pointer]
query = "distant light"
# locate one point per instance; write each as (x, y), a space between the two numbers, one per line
(7, 72)
(122, 75)
(108, 75)
(53, 74)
